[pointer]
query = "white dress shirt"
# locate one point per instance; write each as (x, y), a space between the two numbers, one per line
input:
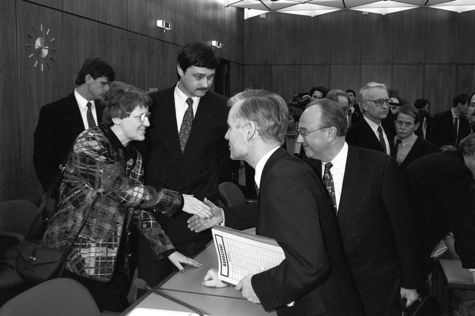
(82, 104)
(260, 166)
(181, 105)
(338, 172)
(374, 127)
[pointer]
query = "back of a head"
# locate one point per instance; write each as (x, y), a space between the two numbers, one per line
(335, 93)
(197, 54)
(266, 109)
(461, 98)
(421, 103)
(331, 115)
(121, 99)
(96, 67)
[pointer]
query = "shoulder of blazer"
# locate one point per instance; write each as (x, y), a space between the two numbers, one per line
(165, 95)
(67, 102)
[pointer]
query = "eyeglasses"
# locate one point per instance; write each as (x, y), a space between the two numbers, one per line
(305, 133)
(379, 102)
(142, 116)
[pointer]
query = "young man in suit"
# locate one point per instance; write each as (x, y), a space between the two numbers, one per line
(425, 127)
(186, 150)
(314, 278)
(61, 122)
(375, 224)
(449, 127)
(368, 132)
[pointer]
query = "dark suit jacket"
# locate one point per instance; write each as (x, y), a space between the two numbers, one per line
(294, 210)
(443, 129)
(420, 148)
(376, 227)
(360, 134)
(203, 165)
(442, 200)
(58, 126)
(428, 127)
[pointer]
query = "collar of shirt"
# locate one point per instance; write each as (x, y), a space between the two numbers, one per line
(454, 116)
(181, 106)
(410, 139)
(82, 104)
(260, 166)
(338, 171)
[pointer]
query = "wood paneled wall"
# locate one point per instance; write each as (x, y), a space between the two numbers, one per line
(121, 31)
(419, 53)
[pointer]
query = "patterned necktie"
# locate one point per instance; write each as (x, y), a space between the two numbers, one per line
(456, 131)
(90, 118)
(328, 182)
(186, 124)
(381, 139)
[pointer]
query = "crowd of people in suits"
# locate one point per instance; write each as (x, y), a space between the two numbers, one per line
(356, 188)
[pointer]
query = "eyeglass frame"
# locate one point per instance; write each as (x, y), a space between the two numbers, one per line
(141, 117)
(306, 133)
(379, 102)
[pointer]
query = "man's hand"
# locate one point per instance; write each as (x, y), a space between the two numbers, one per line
(246, 289)
(192, 205)
(197, 224)
(178, 259)
(410, 295)
(211, 279)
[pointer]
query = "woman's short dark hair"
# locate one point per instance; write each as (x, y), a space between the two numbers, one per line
(197, 54)
(410, 110)
(95, 67)
(121, 99)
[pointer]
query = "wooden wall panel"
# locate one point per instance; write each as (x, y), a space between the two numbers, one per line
(80, 41)
(113, 12)
(345, 77)
(236, 79)
(234, 24)
(136, 59)
(285, 80)
(154, 12)
(408, 35)
(58, 4)
(258, 77)
(408, 81)
(37, 87)
(9, 127)
(377, 73)
(346, 37)
(136, 10)
(86, 8)
(168, 69)
(112, 42)
(286, 39)
(441, 36)
(315, 41)
(466, 44)
(257, 42)
(376, 39)
(314, 75)
(465, 78)
(440, 86)
(153, 73)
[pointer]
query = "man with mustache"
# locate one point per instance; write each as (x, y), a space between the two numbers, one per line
(186, 150)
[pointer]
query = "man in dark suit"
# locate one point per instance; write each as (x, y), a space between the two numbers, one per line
(314, 278)
(425, 127)
(368, 132)
(449, 127)
(61, 122)
(186, 149)
(442, 200)
(375, 223)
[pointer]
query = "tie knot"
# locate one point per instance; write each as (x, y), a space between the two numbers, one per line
(328, 166)
(189, 101)
(380, 129)
(89, 104)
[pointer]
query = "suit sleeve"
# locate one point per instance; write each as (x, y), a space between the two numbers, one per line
(293, 217)
(395, 197)
(241, 217)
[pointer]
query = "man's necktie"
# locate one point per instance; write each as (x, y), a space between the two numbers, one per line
(90, 118)
(456, 131)
(328, 182)
(381, 139)
(186, 124)
(424, 128)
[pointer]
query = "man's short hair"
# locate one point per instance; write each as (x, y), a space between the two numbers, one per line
(197, 54)
(331, 115)
(96, 67)
(410, 110)
(352, 91)
(460, 98)
(121, 99)
(335, 93)
(322, 89)
(266, 109)
(467, 145)
(369, 86)
(421, 103)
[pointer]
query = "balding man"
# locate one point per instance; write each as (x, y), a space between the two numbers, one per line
(375, 223)
(369, 132)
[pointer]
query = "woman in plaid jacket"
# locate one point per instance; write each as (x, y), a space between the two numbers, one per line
(102, 181)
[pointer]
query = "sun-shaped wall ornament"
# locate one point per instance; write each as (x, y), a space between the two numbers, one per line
(41, 50)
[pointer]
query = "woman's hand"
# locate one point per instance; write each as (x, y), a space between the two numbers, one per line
(194, 206)
(178, 259)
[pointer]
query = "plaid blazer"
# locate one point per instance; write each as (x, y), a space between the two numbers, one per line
(99, 166)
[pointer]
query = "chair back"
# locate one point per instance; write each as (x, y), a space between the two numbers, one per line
(16, 216)
(51, 298)
(231, 194)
